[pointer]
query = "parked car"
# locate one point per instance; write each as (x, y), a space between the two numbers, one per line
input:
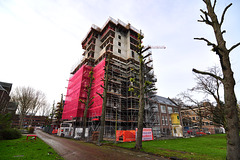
(65, 130)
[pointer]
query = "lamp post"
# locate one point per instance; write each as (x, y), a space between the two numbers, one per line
(116, 125)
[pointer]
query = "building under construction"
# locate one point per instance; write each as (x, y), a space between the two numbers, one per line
(119, 40)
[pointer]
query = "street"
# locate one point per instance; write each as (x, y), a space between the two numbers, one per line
(75, 150)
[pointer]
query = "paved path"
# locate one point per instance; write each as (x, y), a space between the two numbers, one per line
(75, 150)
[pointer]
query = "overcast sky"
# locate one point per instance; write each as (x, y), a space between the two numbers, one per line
(40, 40)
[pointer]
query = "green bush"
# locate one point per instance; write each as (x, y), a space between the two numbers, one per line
(10, 133)
(30, 130)
(5, 121)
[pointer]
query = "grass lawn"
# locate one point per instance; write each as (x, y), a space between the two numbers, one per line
(205, 147)
(26, 149)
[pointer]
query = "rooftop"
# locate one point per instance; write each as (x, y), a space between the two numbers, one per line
(116, 22)
(163, 100)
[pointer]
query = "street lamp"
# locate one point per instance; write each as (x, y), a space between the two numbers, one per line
(115, 125)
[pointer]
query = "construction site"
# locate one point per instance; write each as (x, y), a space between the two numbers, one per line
(118, 40)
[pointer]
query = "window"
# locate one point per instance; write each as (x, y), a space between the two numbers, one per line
(163, 109)
(163, 130)
(119, 36)
(155, 107)
(170, 110)
(119, 50)
(156, 117)
(193, 118)
(163, 120)
(132, 54)
(119, 43)
(175, 109)
(166, 121)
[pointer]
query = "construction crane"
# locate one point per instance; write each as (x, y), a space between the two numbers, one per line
(157, 47)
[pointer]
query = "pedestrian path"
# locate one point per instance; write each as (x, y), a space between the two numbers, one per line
(71, 149)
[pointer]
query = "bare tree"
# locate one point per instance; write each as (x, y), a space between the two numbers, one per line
(38, 102)
(23, 96)
(88, 102)
(44, 110)
(29, 101)
(231, 113)
(209, 85)
(195, 106)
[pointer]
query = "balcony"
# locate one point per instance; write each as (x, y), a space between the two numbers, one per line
(109, 47)
(133, 46)
(109, 31)
(91, 45)
(109, 39)
(91, 38)
(135, 38)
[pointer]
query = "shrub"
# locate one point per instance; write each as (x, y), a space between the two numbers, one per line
(5, 121)
(10, 133)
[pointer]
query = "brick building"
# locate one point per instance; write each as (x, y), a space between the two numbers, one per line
(164, 107)
(34, 121)
(5, 89)
(199, 117)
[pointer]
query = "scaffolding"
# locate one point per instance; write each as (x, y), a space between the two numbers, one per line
(122, 105)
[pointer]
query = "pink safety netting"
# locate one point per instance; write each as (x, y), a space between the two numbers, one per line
(76, 90)
(96, 109)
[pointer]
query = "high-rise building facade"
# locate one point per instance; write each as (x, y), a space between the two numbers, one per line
(120, 41)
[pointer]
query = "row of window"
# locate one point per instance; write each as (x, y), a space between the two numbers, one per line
(119, 44)
(119, 51)
(203, 123)
(165, 120)
(170, 109)
(197, 118)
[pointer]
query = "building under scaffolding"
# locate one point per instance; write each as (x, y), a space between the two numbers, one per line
(119, 40)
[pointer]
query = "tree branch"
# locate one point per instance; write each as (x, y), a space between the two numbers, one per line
(81, 101)
(206, 20)
(225, 10)
(224, 31)
(102, 87)
(208, 42)
(207, 73)
(100, 95)
(91, 104)
(146, 49)
(234, 46)
(214, 4)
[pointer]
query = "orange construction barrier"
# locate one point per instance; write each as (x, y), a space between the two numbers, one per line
(129, 136)
(119, 133)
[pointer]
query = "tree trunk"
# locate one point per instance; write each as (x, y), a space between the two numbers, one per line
(138, 145)
(84, 122)
(100, 138)
(21, 119)
(87, 104)
(231, 113)
(200, 119)
(233, 142)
